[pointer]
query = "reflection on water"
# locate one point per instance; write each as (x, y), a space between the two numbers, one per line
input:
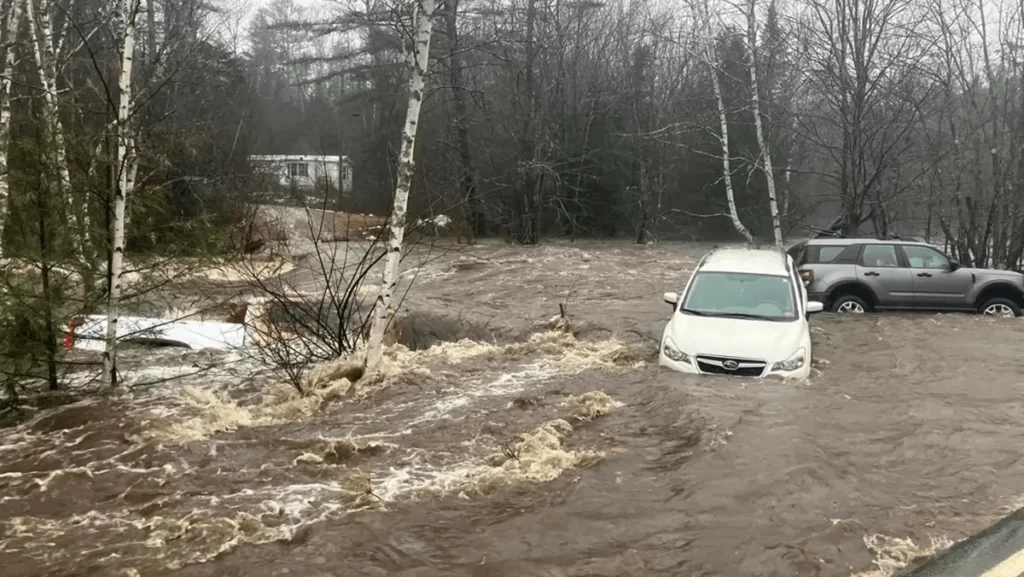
(506, 460)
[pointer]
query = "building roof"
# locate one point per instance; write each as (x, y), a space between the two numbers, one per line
(770, 261)
(296, 158)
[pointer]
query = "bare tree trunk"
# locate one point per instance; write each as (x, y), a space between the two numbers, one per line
(724, 139)
(528, 208)
(383, 313)
(476, 221)
(42, 38)
(341, 143)
(762, 143)
(787, 191)
(125, 17)
(45, 267)
(9, 25)
(151, 32)
(645, 209)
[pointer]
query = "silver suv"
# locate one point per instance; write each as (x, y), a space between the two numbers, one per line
(856, 275)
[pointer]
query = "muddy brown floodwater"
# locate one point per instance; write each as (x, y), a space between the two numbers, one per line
(556, 456)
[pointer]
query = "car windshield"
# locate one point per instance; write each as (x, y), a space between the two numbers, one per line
(742, 295)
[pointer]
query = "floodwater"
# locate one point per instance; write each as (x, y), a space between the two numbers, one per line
(556, 456)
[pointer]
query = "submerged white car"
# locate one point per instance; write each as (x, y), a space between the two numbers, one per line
(743, 312)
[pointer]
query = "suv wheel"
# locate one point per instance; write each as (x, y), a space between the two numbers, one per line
(849, 304)
(1000, 308)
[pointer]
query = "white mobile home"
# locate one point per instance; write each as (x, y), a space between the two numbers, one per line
(306, 170)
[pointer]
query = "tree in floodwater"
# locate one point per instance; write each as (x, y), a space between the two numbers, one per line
(762, 143)
(419, 59)
(710, 54)
(124, 17)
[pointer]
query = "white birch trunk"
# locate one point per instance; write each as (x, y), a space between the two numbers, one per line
(11, 19)
(383, 314)
(788, 190)
(126, 24)
(764, 145)
(132, 167)
(41, 34)
(724, 139)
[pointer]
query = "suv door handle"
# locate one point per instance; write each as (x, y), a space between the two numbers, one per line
(927, 274)
(871, 273)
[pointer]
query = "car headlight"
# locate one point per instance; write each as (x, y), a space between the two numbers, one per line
(794, 362)
(673, 353)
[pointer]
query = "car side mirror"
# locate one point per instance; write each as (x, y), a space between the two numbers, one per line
(953, 265)
(814, 307)
(672, 298)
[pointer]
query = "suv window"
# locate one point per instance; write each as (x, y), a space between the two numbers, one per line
(925, 257)
(830, 254)
(879, 255)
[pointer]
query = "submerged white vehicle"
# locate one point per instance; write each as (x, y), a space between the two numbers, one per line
(743, 312)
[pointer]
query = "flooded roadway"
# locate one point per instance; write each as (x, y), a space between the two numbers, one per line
(904, 440)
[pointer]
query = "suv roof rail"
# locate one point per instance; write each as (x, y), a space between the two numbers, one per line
(890, 236)
(706, 255)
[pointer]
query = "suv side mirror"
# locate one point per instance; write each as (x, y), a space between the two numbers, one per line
(672, 298)
(814, 307)
(953, 264)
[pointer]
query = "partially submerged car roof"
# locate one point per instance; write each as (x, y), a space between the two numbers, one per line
(756, 260)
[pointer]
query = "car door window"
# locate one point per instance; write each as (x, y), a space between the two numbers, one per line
(925, 257)
(822, 254)
(829, 253)
(879, 255)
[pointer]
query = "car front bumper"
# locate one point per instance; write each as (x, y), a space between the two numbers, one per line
(691, 369)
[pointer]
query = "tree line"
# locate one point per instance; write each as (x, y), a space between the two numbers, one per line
(584, 118)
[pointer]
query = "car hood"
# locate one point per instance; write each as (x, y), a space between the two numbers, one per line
(742, 338)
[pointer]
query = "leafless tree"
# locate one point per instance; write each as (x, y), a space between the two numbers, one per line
(864, 58)
(419, 59)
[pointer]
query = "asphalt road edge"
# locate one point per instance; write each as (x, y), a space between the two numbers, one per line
(997, 551)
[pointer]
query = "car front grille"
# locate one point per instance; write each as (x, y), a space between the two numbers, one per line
(730, 366)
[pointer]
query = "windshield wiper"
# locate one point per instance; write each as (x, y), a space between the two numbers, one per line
(746, 316)
(693, 312)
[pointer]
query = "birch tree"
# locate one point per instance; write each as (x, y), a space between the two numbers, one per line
(124, 18)
(763, 144)
(723, 137)
(419, 58)
(9, 20)
(712, 60)
(47, 44)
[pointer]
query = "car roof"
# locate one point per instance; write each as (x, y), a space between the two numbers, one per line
(743, 259)
(849, 241)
